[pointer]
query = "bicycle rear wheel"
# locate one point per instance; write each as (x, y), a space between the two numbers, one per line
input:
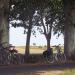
(49, 59)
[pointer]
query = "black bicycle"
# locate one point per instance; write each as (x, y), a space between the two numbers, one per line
(48, 55)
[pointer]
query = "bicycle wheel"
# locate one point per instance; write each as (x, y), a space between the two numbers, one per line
(49, 58)
(9, 58)
(61, 58)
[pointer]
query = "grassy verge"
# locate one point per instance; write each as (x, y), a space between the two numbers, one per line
(68, 72)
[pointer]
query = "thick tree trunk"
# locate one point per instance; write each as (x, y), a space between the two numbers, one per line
(69, 33)
(28, 37)
(4, 31)
(69, 41)
(4, 23)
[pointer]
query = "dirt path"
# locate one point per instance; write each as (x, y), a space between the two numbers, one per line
(40, 73)
(38, 69)
(57, 72)
(47, 73)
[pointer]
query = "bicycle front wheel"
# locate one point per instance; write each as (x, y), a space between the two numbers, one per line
(61, 58)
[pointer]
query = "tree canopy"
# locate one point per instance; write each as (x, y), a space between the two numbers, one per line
(19, 11)
(24, 11)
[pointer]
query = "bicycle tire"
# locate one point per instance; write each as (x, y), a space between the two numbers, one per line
(63, 58)
(49, 59)
(60, 58)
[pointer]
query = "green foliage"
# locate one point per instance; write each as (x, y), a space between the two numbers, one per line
(20, 10)
(59, 27)
(46, 15)
(51, 9)
(53, 16)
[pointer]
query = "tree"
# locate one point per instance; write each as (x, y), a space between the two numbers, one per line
(69, 28)
(23, 10)
(50, 19)
(47, 24)
(4, 22)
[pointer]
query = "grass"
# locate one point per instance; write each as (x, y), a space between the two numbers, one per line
(68, 72)
(35, 53)
(34, 49)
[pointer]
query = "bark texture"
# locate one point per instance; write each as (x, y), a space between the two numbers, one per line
(4, 23)
(69, 33)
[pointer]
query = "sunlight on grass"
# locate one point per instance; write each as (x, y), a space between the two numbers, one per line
(55, 72)
(34, 49)
(68, 72)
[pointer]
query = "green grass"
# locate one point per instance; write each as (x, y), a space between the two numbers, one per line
(68, 72)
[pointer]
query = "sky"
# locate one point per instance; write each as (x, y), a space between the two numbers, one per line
(18, 38)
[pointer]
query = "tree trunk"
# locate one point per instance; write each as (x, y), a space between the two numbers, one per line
(4, 31)
(4, 23)
(48, 44)
(28, 37)
(69, 33)
(69, 41)
(48, 38)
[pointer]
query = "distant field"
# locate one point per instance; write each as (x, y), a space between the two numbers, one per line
(33, 49)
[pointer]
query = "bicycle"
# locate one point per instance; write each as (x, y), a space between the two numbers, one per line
(14, 56)
(3, 54)
(9, 55)
(58, 57)
(48, 55)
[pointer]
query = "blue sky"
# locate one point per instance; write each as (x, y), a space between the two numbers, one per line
(18, 38)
